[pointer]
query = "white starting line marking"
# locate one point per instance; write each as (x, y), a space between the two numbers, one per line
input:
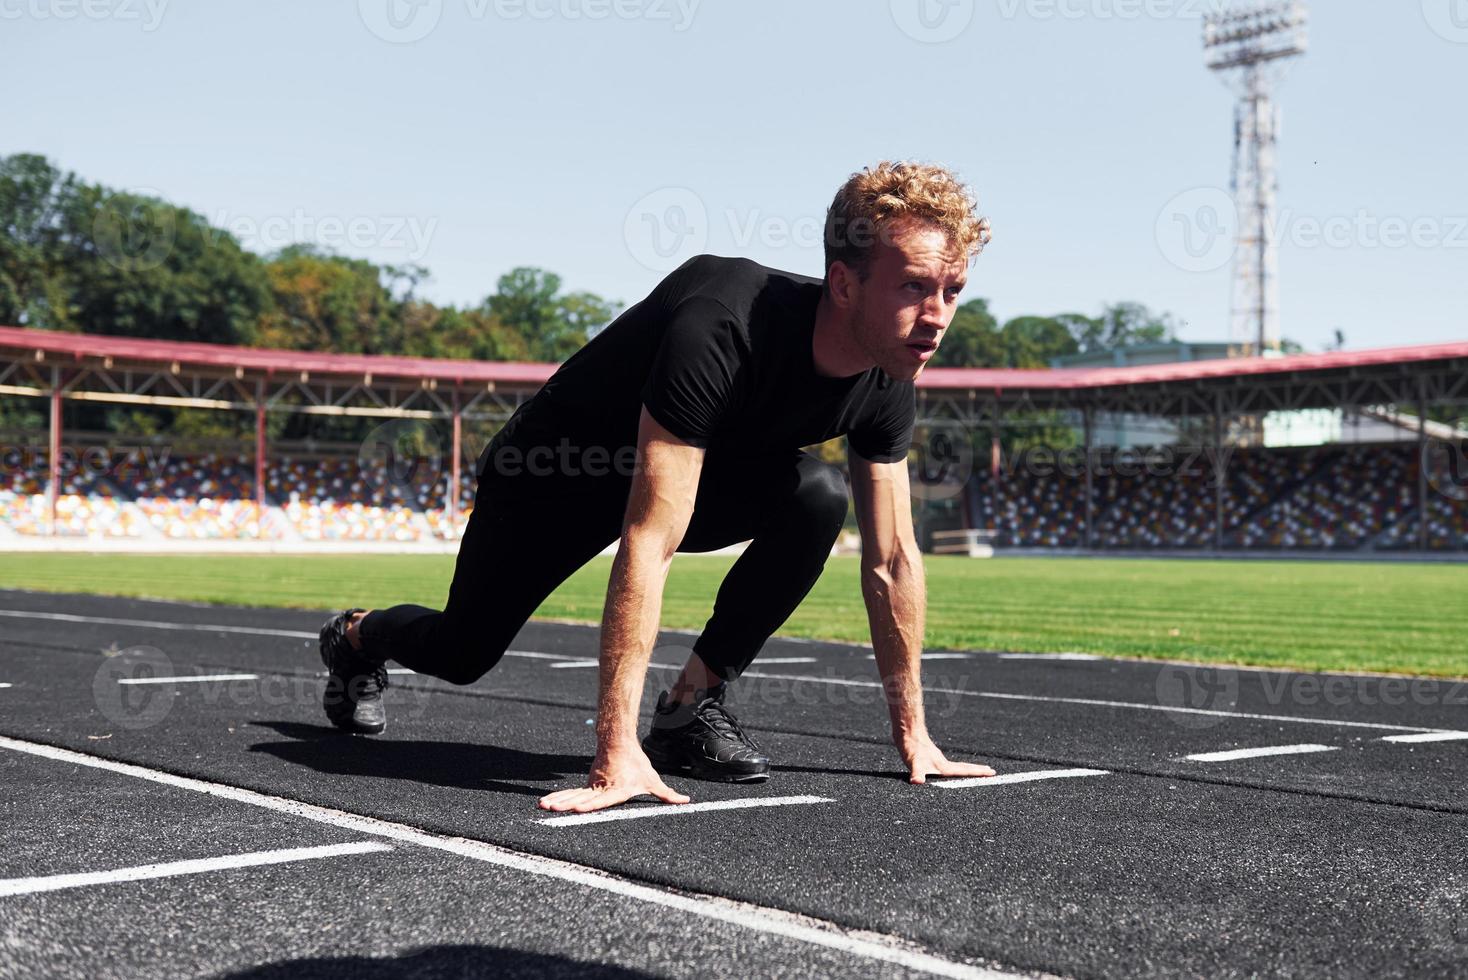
(1427, 737)
(1134, 705)
(155, 624)
(677, 810)
(216, 628)
(67, 617)
(756, 918)
(570, 664)
(1017, 777)
(567, 664)
(52, 883)
(926, 656)
(1049, 656)
(535, 655)
(1233, 754)
(191, 679)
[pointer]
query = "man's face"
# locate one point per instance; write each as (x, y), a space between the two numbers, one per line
(899, 315)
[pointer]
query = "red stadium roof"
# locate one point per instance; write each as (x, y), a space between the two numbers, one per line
(80, 346)
(1237, 367)
(187, 354)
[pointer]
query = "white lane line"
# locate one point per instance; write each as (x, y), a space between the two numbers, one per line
(1133, 705)
(535, 655)
(789, 677)
(5, 685)
(1017, 777)
(565, 665)
(569, 664)
(172, 869)
(926, 656)
(216, 628)
(677, 810)
(1049, 656)
(190, 679)
(756, 918)
(1232, 754)
(155, 624)
(1427, 737)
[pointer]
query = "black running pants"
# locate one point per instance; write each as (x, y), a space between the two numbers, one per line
(516, 551)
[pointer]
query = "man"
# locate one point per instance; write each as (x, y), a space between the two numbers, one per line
(679, 428)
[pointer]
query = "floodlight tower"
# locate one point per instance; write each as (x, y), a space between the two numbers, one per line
(1248, 44)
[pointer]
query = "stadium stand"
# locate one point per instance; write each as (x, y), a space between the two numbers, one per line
(1322, 498)
(1345, 495)
(210, 496)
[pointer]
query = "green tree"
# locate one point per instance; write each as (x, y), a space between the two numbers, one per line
(141, 267)
(528, 301)
(34, 198)
(972, 339)
(1034, 341)
(1123, 325)
(329, 303)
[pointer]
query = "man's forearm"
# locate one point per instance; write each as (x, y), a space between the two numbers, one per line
(896, 601)
(629, 630)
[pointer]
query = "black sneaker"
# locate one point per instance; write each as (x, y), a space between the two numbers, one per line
(354, 683)
(703, 740)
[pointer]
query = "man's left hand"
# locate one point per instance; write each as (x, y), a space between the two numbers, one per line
(925, 759)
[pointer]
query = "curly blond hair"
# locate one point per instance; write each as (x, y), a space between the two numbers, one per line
(878, 199)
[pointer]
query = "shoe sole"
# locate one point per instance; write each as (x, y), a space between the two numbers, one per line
(352, 728)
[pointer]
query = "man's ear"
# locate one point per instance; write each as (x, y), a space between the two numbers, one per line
(841, 283)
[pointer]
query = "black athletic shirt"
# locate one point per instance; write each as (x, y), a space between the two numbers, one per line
(720, 354)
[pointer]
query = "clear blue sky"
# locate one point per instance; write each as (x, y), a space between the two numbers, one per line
(526, 132)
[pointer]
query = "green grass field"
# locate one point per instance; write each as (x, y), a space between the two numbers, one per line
(1307, 615)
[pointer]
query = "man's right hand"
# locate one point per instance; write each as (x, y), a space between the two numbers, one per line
(616, 777)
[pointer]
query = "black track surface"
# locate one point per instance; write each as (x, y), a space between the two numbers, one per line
(1346, 862)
